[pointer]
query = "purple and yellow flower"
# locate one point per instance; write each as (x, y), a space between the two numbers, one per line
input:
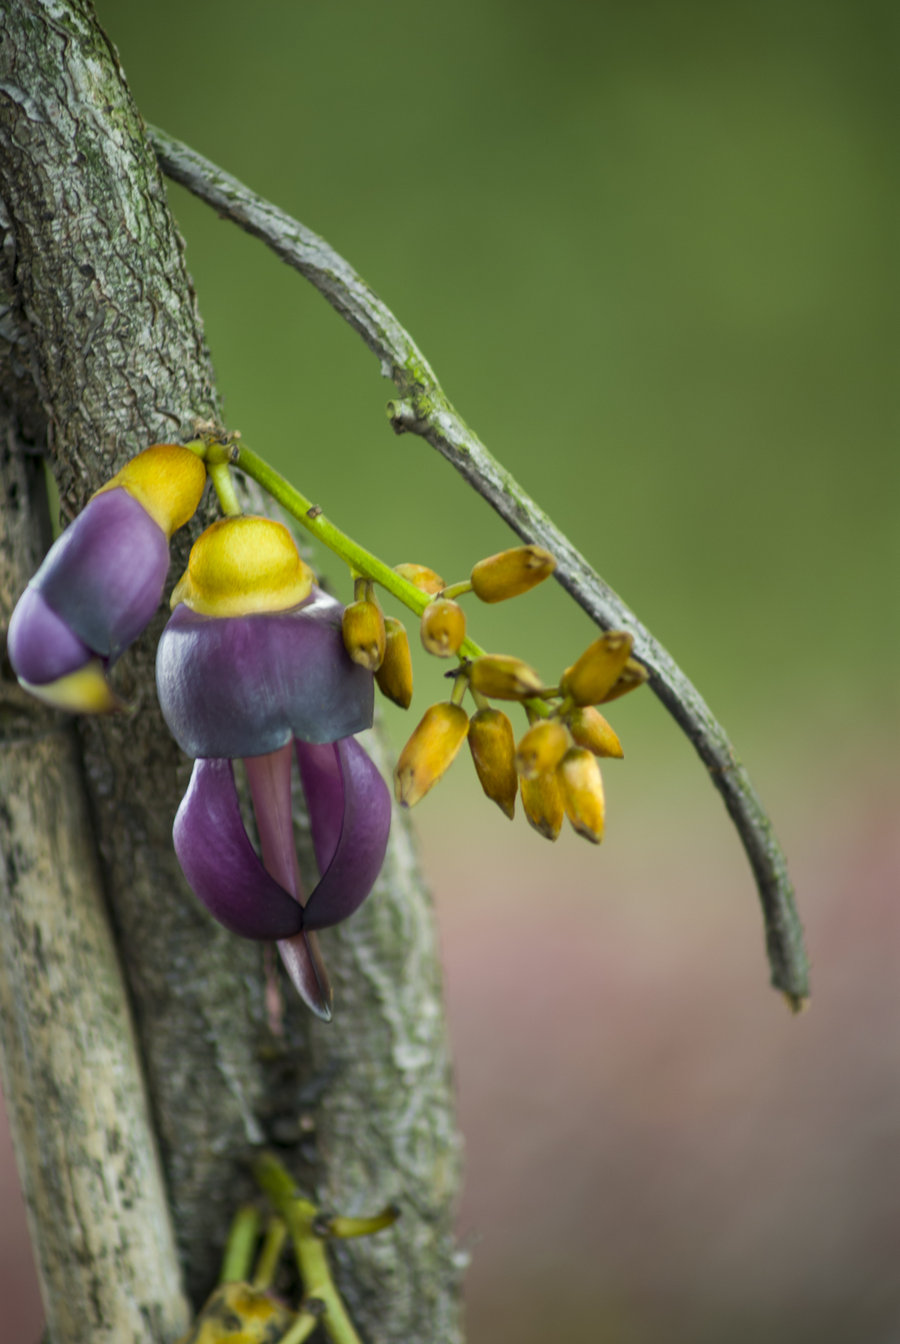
(252, 666)
(102, 581)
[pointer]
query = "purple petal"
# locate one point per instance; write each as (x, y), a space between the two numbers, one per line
(245, 685)
(350, 816)
(105, 575)
(303, 962)
(269, 778)
(41, 646)
(220, 863)
(323, 787)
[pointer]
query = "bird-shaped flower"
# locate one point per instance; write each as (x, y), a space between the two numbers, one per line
(102, 580)
(252, 665)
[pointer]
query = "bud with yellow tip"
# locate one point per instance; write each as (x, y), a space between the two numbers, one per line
(429, 751)
(395, 675)
(493, 749)
(102, 581)
(443, 627)
(589, 729)
(364, 633)
(594, 674)
(501, 677)
(582, 791)
(542, 748)
(510, 573)
(166, 480)
(543, 803)
(421, 577)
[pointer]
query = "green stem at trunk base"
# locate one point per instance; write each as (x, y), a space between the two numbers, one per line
(240, 1247)
(302, 1218)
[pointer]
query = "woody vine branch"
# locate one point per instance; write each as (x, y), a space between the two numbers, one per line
(422, 408)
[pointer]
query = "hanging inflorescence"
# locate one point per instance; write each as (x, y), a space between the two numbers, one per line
(257, 664)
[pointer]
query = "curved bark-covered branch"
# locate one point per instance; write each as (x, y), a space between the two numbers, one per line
(108, 357)
(424, 409)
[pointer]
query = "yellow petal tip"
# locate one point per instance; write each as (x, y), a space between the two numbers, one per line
(86, 691)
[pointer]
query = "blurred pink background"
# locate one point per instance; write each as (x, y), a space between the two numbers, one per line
(656, 1150)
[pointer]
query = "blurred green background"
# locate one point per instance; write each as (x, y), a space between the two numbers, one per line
(650, 251)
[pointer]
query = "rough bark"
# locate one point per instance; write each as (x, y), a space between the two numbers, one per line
(110, 357)
(70, 1065)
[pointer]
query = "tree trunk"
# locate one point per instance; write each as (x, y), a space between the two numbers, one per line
(106, 355)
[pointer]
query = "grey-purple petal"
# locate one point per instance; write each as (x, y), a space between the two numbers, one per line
(303, 962)
(244, 685)
(104, 577)
(220, 863)
(350, 818)
(41, 646)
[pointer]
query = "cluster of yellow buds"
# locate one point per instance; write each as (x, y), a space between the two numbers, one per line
(557, 757)
(555, 764)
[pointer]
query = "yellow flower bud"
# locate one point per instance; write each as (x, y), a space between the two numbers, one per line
(258, 1316)
(503, 678)
(364, 634)
(493, 749)
(542, 748)
(395, 675)
(243, 564)
(543, 803)
(582, 790)
(443, 627)
(421, 577)
(589, 679)
(166, 480)
(633, 675)
(512, 572)
(589, 729)
(429, 751)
